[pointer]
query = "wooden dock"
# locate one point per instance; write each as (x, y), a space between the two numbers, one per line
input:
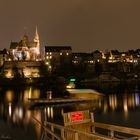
(66, 133)
(59, 101)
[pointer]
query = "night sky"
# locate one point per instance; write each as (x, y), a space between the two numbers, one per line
(86, 25)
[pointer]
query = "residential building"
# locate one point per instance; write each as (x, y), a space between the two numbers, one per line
(57, 56)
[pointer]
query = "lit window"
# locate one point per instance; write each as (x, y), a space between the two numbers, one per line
(50, 53)
(47, 57)
(135, 61)
(50, 68)
(67, 53)
(60, 53)
(47, 53)
(47, 63)
(123, 54)
(50, 57)
(75, 62)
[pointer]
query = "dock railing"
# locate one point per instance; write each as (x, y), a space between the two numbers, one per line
(57, 132)
(118, 131)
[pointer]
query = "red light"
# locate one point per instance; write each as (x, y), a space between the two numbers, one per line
(76, 116)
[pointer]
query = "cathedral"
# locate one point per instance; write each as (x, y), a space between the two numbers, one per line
(25, 49)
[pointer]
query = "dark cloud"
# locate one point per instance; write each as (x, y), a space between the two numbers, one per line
(86, 25)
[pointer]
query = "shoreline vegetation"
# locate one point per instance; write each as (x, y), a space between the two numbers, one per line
(40, 81)
(58, 84)
(49, 80)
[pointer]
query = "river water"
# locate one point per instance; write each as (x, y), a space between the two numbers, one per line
(121, 106)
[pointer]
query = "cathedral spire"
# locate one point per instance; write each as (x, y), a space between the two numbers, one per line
(36, 40)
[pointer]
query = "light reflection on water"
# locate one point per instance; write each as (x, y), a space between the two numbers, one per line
(121, 108)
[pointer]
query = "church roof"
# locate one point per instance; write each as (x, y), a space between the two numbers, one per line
(57, 48)
(1, 52)
(24, 42)
(31, 44)
(14, 45)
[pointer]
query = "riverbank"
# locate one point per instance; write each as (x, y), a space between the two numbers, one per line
(49, 80)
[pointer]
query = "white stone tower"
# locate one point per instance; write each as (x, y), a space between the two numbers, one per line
(37, 42)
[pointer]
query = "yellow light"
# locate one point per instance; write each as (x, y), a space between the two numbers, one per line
(9, 74)
(47, 63)
(103, 56)
(9, 96)
(123, 54)
(70, 85)
(10, 109)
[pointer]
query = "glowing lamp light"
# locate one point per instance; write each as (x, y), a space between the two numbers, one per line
(72, 80)
(70, 86)
(47, 63)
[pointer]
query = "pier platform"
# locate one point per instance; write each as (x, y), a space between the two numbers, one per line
(59, 100)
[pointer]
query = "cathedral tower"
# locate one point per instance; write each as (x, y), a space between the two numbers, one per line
(37, 42)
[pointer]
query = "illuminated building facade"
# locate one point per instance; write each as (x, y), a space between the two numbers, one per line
(25, 49)
(22, 59)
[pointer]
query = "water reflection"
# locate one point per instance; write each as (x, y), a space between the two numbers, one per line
(49, 94)
(33, 93)
(121, 108)
(113, 101)
(38, 130)
(15, 110)
(124, 101)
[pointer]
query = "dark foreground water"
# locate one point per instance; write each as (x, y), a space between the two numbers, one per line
(121, 106)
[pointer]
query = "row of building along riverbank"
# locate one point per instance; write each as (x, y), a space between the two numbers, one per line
(24, 60)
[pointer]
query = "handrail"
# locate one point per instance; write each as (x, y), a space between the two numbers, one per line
(45, 128)
(77, 134)
(77, 131)
(72, 131)
(126, 130)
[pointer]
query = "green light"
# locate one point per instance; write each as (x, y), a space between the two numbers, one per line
(72, 80)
